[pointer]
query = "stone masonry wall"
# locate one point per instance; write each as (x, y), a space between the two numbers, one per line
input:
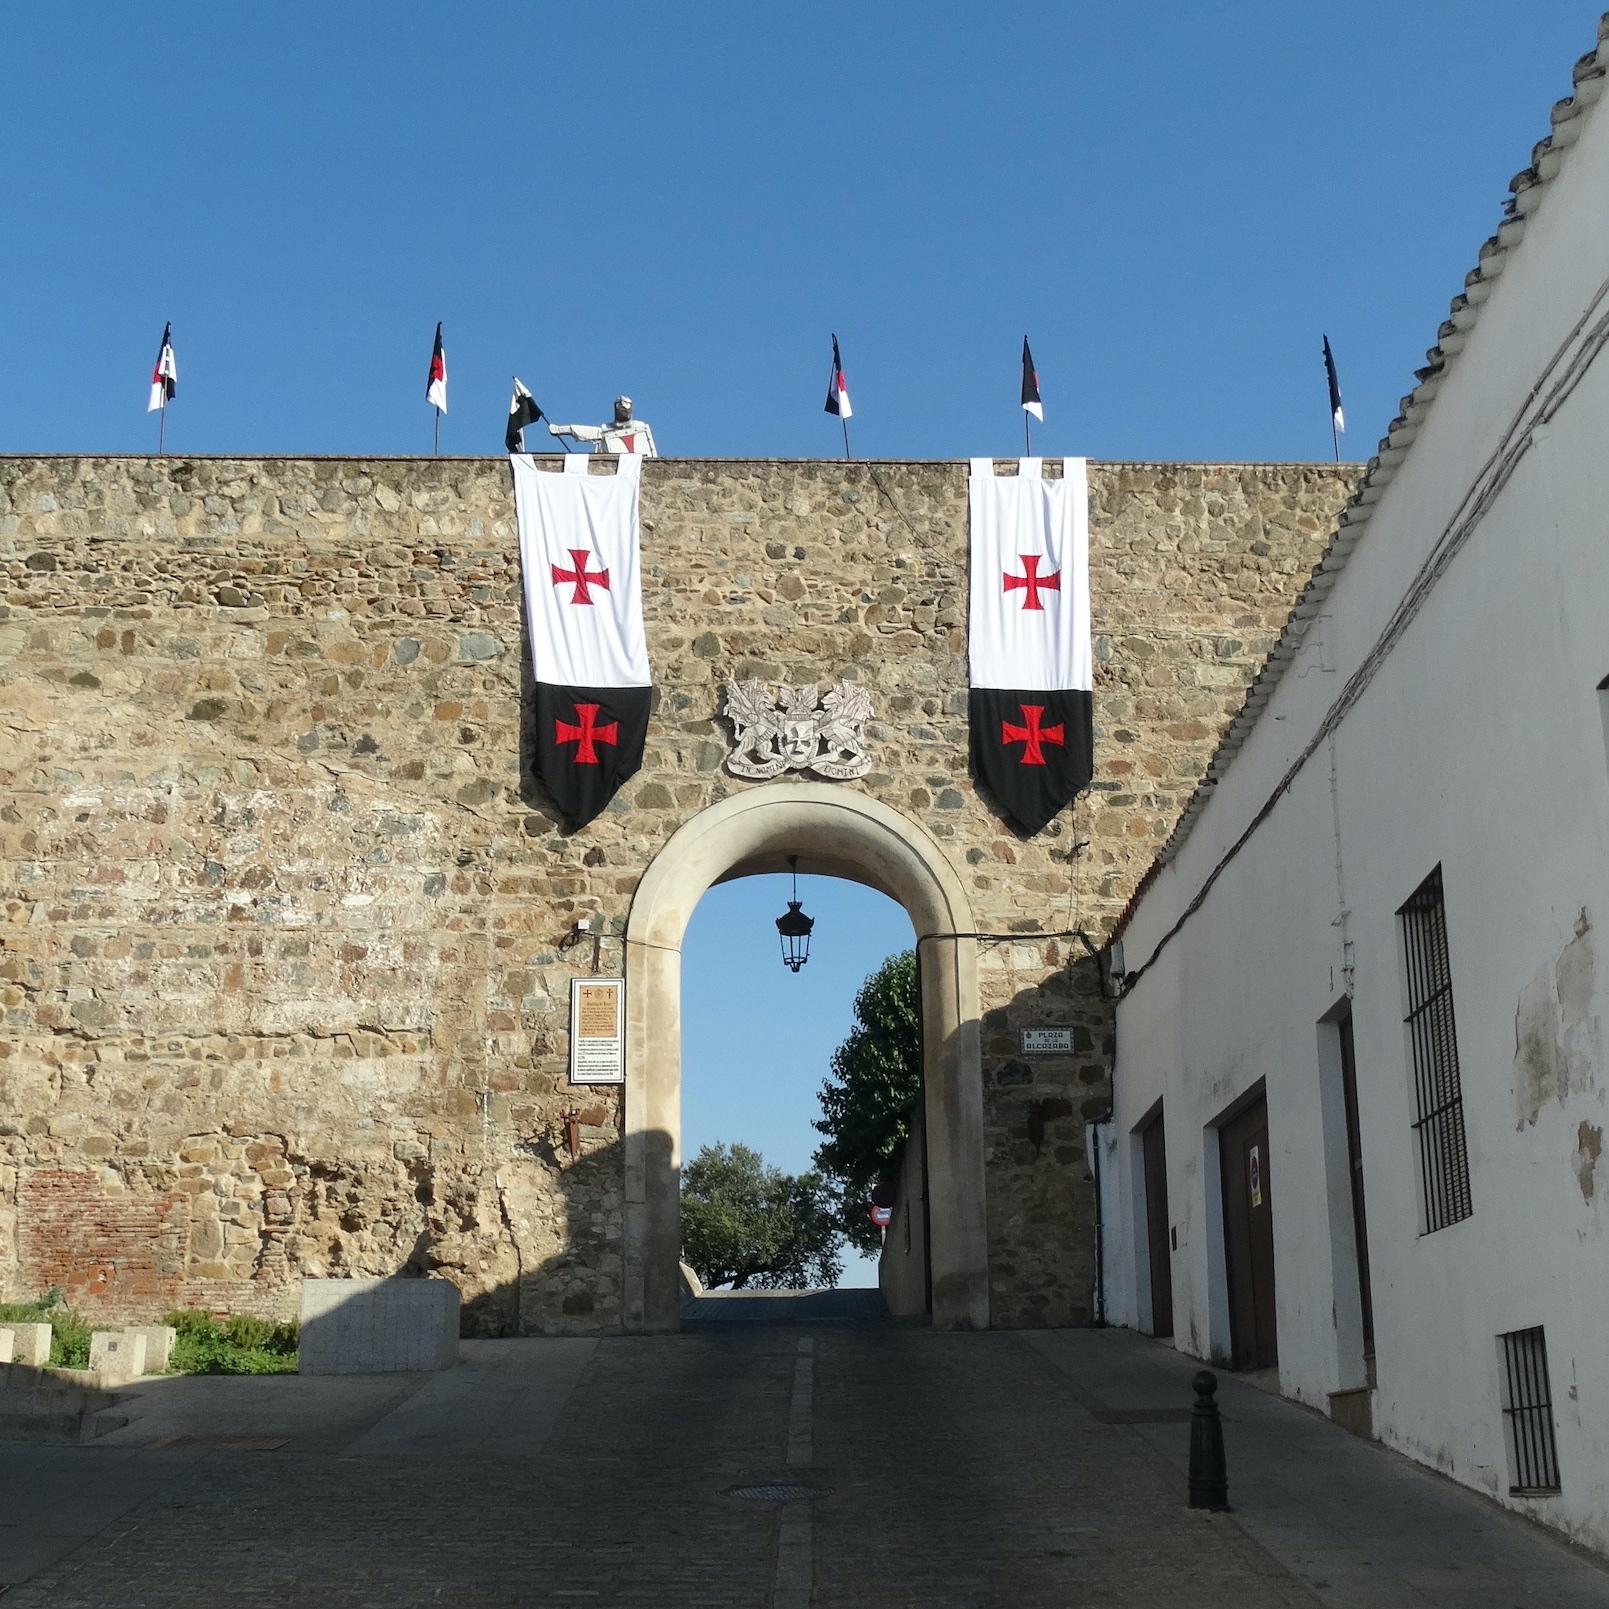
(280, 991)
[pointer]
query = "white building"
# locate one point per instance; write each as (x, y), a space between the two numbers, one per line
(1400, 865)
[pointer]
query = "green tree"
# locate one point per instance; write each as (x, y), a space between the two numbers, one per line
(866, 1102)
(748, 1225)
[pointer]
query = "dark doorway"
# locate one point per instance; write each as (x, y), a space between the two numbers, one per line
(1154, 1147)
(1354, 1163)
(1249, 1237)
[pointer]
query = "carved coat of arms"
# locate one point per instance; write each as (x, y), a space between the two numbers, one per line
(798, 729)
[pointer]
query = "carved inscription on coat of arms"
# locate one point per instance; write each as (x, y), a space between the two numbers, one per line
(798, 729)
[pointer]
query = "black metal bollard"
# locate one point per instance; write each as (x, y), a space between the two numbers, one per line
(1209, 1479)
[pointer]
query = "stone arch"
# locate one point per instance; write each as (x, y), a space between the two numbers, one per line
(834, 832)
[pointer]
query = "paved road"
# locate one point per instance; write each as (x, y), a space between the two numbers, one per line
(930, 1469)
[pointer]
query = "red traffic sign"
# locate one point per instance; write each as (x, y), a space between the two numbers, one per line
(881, 1216)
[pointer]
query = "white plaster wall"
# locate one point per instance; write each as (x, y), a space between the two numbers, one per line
(1479, 745)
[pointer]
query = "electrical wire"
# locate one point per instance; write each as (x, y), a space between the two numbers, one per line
(1488, 483)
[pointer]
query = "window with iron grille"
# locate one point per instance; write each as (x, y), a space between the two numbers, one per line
(1533, 1455)
(1433, 1042)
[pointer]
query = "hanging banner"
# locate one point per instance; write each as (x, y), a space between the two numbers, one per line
(583, 604)
(1031, 665)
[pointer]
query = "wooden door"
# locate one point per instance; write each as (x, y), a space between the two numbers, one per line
(1154, 1148)
(1354, 1163)
(1249, 1237)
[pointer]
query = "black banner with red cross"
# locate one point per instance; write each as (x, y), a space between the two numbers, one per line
(589, 740)
(1031, 749)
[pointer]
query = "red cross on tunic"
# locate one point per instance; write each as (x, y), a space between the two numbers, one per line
(1033, 583)
(588, 734)
(580, 576)
(1033, 736)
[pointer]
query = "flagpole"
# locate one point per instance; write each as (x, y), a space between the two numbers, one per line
(1027, 434)
(845, 423)
(161, 428)
(1335, 439)
(438, 433)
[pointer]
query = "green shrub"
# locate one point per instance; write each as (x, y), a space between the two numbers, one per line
(69, 1338)
(189, 1321)
(69, 1334)
(249, 1333)
(240, 1345)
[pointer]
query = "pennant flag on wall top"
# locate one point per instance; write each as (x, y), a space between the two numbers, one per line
(165, 376)
(522, 411)
(1030, 705)
(436, 385)
(583, 601)
(1337, 417)
(838, 387)
(1030, 385)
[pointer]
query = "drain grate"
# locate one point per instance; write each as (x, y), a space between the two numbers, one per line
(777, 1493)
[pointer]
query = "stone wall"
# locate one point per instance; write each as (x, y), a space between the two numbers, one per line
(280, 902)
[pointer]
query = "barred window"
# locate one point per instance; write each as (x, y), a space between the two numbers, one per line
(1533, 1454)
(1433, 1043)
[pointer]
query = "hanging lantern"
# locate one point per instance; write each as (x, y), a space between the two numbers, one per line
(794, 928)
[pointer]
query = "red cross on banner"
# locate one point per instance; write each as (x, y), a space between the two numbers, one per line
(1032, 735)
(588, 734)
(580, 577)
(1033, 583)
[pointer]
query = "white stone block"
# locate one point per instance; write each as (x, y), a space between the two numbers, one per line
(8, 1346)
(31, 1342)
(377, 1326)
(116, 1356)
(159, 1339)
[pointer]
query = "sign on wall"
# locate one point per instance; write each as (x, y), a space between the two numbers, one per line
(597, 1031)
(1047, 1041)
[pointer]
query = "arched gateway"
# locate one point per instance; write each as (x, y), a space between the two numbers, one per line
(837, 833)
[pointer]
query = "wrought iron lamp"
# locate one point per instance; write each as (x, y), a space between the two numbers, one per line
(793, 929)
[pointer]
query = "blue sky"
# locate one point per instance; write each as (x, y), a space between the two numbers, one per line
(757, 1039)
(1175, 200)
(683, 201)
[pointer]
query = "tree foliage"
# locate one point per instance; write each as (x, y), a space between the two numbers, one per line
(745, 1224)
(866, 1103)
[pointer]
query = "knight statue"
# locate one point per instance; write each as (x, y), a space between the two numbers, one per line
(622, 434)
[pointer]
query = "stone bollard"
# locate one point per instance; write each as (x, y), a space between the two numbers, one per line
(159, 1339)
(31, 1343)
(117, 1358)
(1209, 1479)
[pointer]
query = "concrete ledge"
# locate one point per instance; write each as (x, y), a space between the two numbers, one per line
(30, 1343)
(377, 1326)
(116, 1355)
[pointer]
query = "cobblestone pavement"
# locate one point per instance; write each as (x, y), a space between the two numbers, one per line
(936, 1470)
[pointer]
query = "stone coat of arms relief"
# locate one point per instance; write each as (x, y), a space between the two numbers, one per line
(798, 729)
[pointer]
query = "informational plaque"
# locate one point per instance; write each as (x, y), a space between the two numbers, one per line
(1047, 1041)
(597, 1031)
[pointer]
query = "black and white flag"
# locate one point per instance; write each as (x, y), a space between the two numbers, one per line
(165, 376)
(1336, 415)
(436, 384)
(1030, 385)
(583, 601)
(1030, 705)
(522, 411)
(838, 387)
